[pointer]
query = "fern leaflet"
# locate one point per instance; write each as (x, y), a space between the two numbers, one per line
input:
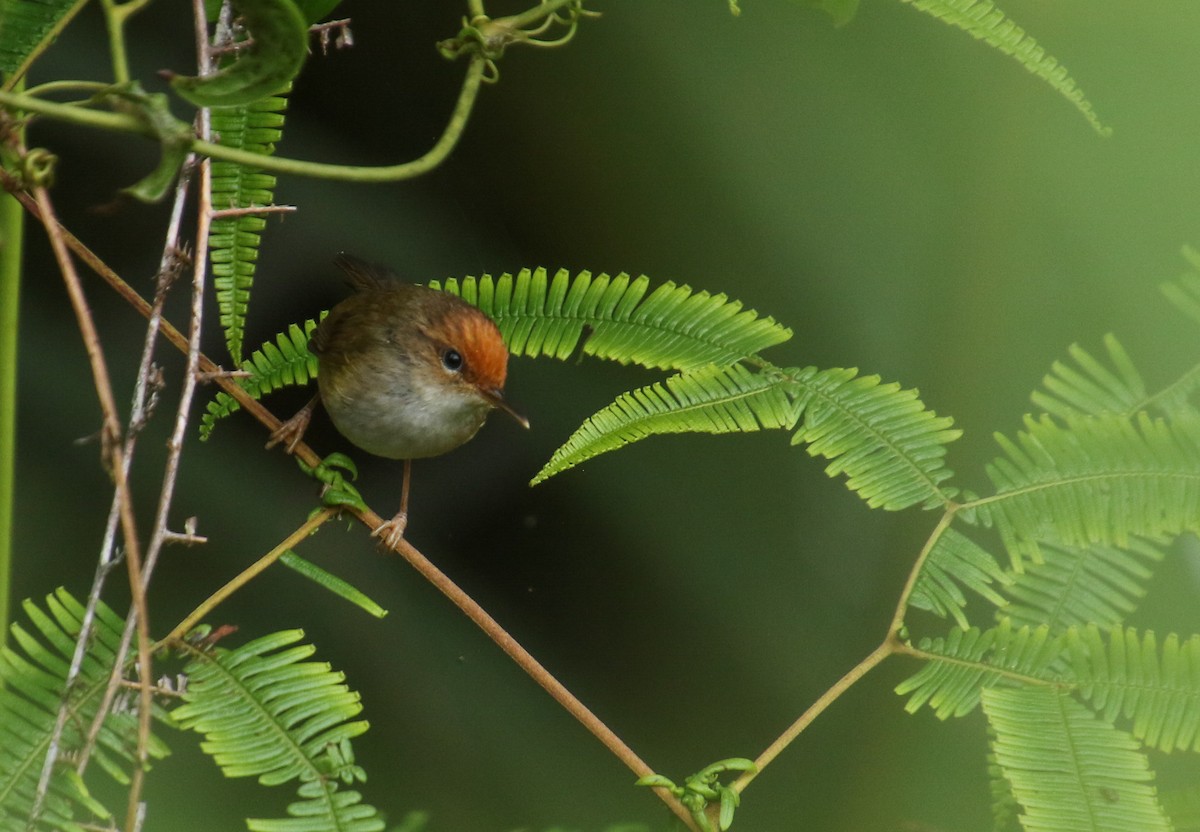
(956, 559)
(711, 400)
(880, 436)
(1092, 388)
(1131, 677)
(267, 713)
(1068, 769)
(983, 21)
(966, 662)
(673, 328)
(1077, 585)
(233, 242)
(27, 27)
(1098, 480)
(283, 363)
(33, 675)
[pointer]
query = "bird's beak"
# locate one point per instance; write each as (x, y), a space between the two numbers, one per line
(496, 399)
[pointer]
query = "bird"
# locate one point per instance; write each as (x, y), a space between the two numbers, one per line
(405, 372)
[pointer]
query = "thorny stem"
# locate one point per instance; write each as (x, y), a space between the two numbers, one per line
(290, 542)
(276, 164)
(113, 458)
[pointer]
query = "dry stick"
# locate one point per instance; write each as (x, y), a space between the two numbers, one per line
(111, 431)
(422, 564)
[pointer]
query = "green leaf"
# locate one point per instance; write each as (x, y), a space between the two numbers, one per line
(267, 713)
(1091, 388)
(284, 362)
(343, 589)
(983, 21)
(673, 328)
(1096, 480)
(841, 11)
(880, 436)
(956, 559)
(710, 400)
(1077, 585)
(33, 673)
(1131, 677)
(280, 45)
(234, 242)
(1068, 769)
(27, 28)
(966, 662)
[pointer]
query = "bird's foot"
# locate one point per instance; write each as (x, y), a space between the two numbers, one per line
(391, 532)
(292, 431)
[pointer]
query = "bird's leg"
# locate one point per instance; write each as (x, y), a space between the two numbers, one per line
(292, 431)
(391, 532)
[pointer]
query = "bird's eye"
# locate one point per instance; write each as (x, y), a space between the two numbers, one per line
(452, 360)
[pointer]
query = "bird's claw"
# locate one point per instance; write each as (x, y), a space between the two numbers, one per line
(391, 532)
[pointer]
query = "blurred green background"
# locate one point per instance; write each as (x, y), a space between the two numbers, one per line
(909, 201)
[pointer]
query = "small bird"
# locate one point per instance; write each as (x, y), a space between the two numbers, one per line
(405, 372)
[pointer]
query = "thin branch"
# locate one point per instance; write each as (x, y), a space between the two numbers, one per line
(112, 449)
(826, 699)
(253, 210)
(242, 578)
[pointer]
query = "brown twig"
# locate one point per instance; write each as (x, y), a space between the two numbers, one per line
(226, 213)
(111, 447)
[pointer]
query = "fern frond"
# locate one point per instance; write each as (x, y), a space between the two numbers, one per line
(673, 328)
(33, 674)
(27, 27)
(1068, 769)
(267, 713)
(983, 21)
(1078, 585)
(285, 362)
(966, 662)
(1184, 291)
(710, 400)
(1097, 480)
(880, 436)
(956, 559)
(1124, 675)
(233, 242)
(1091, 388)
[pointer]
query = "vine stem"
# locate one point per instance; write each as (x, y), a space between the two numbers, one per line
(276, 164)
(11, 228)
(887, 648)
(291, 541)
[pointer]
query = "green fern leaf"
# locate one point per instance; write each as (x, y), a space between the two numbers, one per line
(1092, 388)
(233, 242)
(267, 713)
(983, 21)
(966, 662)
(33, 674)
(285, 362)
(673, 328)
(1068, 769)
(880, 436)
(1128, 676)
(1081, 585)
(27, 27)
(1004, 805)
(956, 559)
(711, 400)
(1098, 480)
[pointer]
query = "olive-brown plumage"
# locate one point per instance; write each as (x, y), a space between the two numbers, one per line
(405, 372)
